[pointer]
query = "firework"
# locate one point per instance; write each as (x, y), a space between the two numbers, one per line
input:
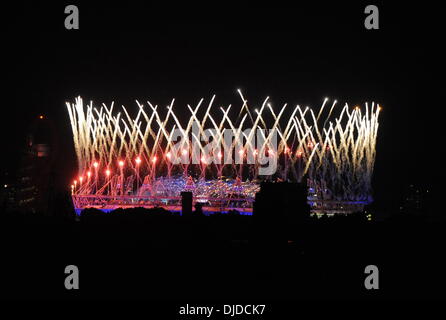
(124, 155)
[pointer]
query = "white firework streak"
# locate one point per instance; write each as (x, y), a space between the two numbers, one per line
(335, 153)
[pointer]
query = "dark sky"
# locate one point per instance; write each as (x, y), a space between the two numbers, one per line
(293, 54)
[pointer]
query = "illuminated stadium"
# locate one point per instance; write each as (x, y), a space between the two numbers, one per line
(147, 156)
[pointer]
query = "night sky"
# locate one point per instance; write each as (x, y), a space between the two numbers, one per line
(297, 55)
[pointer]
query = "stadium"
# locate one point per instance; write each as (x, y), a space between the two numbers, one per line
(148, 156)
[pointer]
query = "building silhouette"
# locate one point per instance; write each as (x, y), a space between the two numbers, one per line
(278, 209)
(415, 200)
(34, 187)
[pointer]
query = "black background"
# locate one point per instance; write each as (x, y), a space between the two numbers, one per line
(297, 53)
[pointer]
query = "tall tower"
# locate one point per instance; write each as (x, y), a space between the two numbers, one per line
(35, 176)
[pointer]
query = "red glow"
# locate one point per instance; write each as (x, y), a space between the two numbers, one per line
(95, 164)
(138, 160)
(168, 155)
(121, 163)
(154, 159)
(107, 172)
